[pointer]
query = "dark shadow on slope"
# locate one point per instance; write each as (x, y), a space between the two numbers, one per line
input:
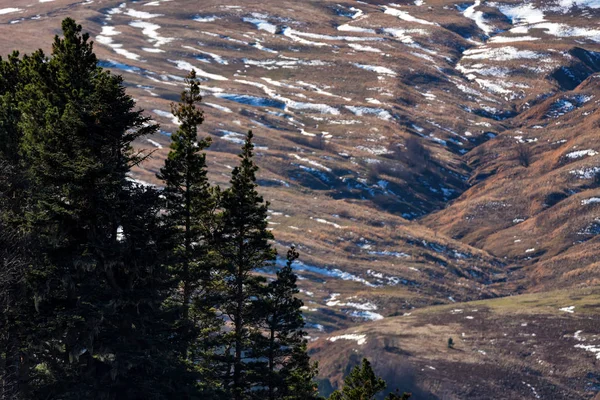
(585, 63)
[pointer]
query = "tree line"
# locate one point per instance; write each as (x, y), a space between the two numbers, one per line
(110, 289)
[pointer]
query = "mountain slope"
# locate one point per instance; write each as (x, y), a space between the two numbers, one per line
(417, 152)
(529, 346)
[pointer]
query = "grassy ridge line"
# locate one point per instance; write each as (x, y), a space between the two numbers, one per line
(585, 300)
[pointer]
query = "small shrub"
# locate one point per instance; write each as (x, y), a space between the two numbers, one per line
(523, 154)
(417, 155)
(372, 173)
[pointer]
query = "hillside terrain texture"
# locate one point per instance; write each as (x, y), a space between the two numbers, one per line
(435, 162)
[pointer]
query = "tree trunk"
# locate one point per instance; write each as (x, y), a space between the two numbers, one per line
(11, 370)
(237, 362)
(187, 292)
(272, 360)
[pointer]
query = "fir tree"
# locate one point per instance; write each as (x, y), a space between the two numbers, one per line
(190, 209)
(14, 305)
(102, 330)
(12, 267)
(187, 191)
(288, 373)
(244, 245)
(89, 273)
(9, 112)
(15, 243)
(363, 384)
(300, 374)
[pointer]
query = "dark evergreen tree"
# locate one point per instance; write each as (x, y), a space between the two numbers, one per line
(243, 243)
(98, 281)
(363, 384)
(10, 135)
(15, 244)
(288, 373)
(300, 375)
(187, 192)
(92, 263)
(14, 305)
(190, 213)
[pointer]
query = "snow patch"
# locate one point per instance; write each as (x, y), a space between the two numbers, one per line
(591, 200)
(261, 23)
(581, 153)
(405, 16)
(233, 137)
(512, 39)
(350, 28)
(376, 69)
(141, 14)
(166, 114)
(586, 173)
(369, 315)
(359, 47)
(590, 348)
(151, 31)
(500, 54)
(522, 14)
(186, 66)
(219, 107)
(311, 162)
(208, 18)
(378, 112)
(323, 221)
(9, 10)
(360, 339)
(478, 17)
(154, 143)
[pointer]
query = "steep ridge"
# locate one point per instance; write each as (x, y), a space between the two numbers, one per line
(551, 226)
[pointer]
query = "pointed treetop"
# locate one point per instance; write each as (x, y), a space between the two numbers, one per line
(292, 255)
(192, 95)
(247, 168)
(360, 384)
(247, 149)
(189, 116)
(74, 52)
(186, 110)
